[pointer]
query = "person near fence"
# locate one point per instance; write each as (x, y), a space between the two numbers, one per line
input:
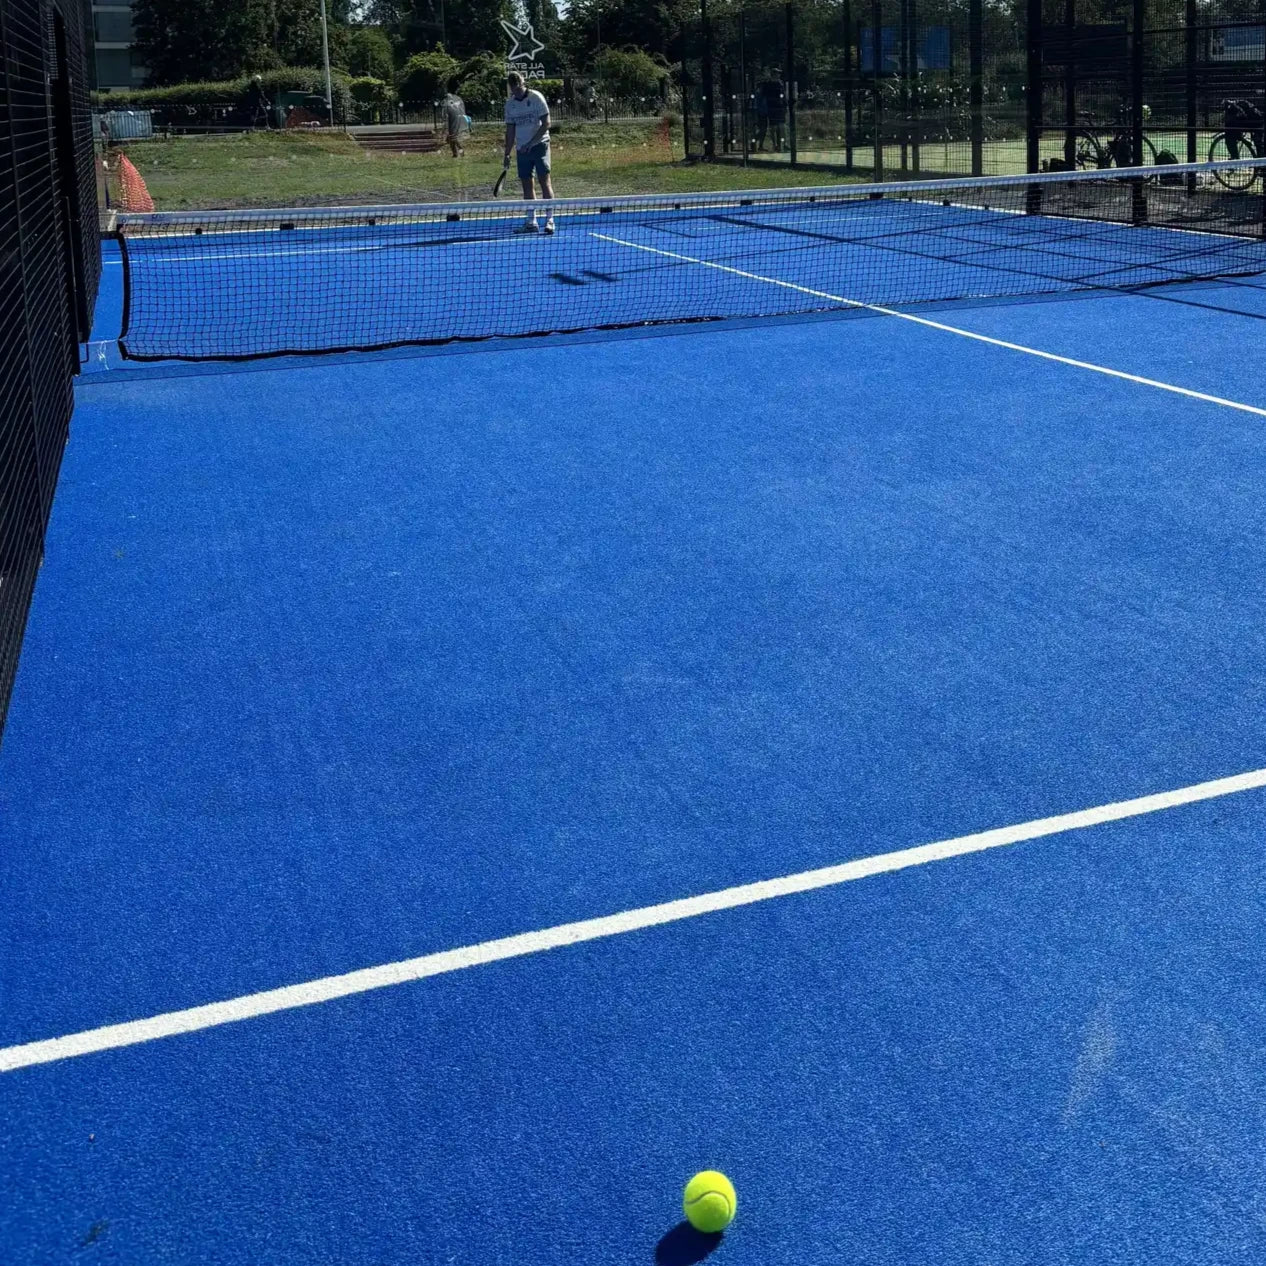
(527, 131)
(776, 104)
(456, 124)
(259, 105)
(762, 115)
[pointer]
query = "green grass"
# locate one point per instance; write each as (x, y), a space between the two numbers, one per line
(261, 169)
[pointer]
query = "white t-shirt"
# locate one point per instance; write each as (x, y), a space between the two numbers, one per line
(526, 115)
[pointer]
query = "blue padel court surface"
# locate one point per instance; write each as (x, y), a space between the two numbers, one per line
(355, 690)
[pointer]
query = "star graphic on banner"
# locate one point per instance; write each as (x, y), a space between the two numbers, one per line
(522, 35)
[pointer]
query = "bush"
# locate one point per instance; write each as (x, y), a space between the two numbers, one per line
(372, 97)
(369, 54)
(425, 76)
(288, 79)
(629, 73)
(483, 82)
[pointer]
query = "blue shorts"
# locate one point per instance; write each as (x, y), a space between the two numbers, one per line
(535, 160)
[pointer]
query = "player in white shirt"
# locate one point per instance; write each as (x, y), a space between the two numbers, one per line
(527, 131)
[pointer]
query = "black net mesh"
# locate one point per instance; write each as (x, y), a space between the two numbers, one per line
(216, 285)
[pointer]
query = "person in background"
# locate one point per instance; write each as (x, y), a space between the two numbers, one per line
(777, 106)
(456, 124)
(761, 102)
(527, 131)
(260, 106)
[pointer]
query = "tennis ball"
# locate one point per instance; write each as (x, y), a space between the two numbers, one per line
(709, 1201)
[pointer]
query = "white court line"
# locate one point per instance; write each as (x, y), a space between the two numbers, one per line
(330, 987)
(948, 329)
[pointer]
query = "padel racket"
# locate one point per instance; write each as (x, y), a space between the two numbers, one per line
(496, 189)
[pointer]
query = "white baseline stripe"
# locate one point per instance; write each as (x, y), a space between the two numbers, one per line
(369, 978)
(948, 329)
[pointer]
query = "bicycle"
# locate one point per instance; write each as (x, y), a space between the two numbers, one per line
(1241, 120)
(1091, 151)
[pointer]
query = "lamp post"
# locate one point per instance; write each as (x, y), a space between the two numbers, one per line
(325, 55)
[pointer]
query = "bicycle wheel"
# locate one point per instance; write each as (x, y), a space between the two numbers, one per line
(1120, 151)
(1224, 149)
(1088, 154)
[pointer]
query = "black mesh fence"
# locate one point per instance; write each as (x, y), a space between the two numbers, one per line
(49, 267)
(1149, 82)
(898, 88)
(886, 87)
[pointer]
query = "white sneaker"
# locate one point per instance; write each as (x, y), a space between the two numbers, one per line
(528, 226)
(549, 225)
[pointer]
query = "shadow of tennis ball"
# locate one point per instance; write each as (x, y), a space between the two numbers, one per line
(683, 1245)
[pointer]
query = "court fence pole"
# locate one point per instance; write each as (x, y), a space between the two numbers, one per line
(791, 84)
(848, 86)
(903, 76)
(1189, 59)
(1070, 84)
(876, 58)
(709, 119)
(976, 89)
(1033, 88)
(1136, 82)
(1261, 135)
(743, 100)
(1138, 202)
(916, 133)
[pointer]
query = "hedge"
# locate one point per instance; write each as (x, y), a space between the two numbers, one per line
(288, 79)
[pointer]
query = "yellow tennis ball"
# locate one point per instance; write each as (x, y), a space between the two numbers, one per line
(709, 1201)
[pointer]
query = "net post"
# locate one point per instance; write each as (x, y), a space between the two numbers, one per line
(791, 83)
(1138, 201)
(976, 90)
(1033, 88)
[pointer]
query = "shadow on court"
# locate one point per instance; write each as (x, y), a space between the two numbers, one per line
(683, 1246)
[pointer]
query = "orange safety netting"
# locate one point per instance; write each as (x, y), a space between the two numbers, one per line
(133, 195)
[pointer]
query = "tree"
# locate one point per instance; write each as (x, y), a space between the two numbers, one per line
(654, 26)
(189, 40)
(185, 40)
(369, 54)
(297, 31)
(483, 82)
(465, 27)
(629, 74)
(425, 76)
(544, 19)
